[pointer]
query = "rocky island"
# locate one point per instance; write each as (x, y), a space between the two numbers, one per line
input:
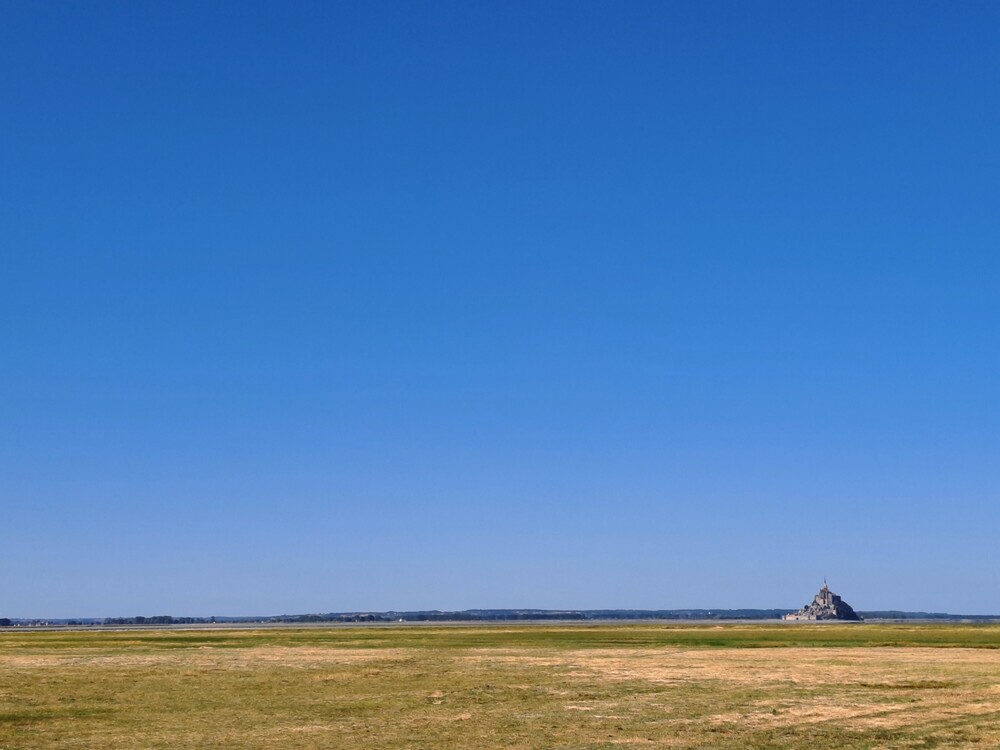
(826, 605)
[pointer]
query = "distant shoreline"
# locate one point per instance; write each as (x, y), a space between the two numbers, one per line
(468, 617)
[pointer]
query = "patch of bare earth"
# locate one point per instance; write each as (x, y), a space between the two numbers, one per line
(271, 656)
(858, 688)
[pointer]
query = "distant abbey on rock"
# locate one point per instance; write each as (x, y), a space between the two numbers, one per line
(826, 605)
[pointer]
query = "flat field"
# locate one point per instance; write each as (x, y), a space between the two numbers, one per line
(498, 686)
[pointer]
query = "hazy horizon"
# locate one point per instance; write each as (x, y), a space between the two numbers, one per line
(323, 611)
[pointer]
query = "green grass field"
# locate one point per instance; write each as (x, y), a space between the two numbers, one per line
(499, 686)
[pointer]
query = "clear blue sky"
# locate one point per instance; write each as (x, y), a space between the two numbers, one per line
(343, 306)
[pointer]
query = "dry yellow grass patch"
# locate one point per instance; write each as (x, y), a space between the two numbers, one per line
(429, 689)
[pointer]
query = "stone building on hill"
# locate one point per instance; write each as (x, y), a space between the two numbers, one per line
(826, 605)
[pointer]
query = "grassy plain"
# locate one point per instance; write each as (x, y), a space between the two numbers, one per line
(498, 686)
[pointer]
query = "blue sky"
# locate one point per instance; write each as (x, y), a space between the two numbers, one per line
(345, 306)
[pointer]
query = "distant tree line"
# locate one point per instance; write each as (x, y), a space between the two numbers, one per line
(481, 615)
(492, 615)
(157, 620)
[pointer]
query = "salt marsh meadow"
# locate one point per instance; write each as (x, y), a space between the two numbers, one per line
(499, 686)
